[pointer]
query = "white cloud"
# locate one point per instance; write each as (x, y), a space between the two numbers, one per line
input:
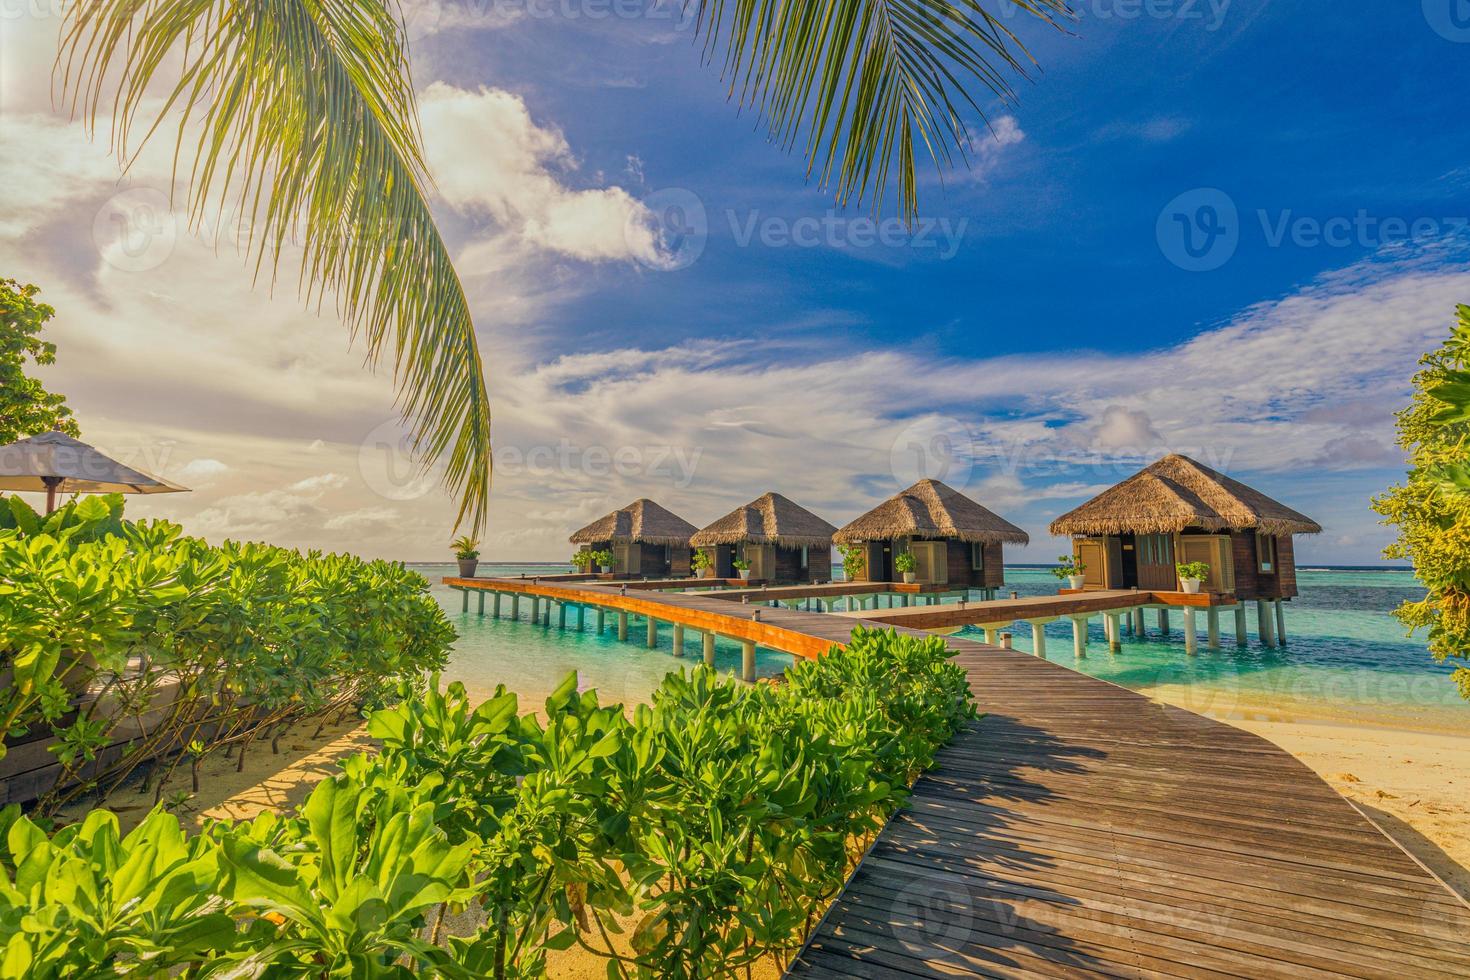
(490, 158)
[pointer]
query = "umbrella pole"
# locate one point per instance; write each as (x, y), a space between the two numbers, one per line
(52, 483)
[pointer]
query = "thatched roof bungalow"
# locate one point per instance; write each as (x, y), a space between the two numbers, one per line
(783, 541)
(1176, 511)
(644, 538)
(953, 539)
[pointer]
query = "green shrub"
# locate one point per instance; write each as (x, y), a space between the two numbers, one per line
(252, 637)
(905, 562)
(721, 818)
(1193, 569)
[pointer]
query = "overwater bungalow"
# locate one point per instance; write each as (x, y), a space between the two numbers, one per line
(784, 542)
(644, 539)
(1175, 511)
(954, 540)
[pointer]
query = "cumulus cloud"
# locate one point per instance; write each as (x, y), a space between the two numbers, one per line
(490, 158)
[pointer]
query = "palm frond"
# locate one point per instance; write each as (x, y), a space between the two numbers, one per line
(858, 82)
(301, 115)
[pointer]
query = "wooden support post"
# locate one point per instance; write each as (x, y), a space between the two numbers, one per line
(1212, 628)
(1191, 642)
(561, 615)
(678, 640)
(652, 632)
(581, 617)
(495, 606)
(1005, 641)
(515, 605)
(535, 609)
(623, 626)
(464, 600)
(1164, 623)
(709, 648)
(601, 620)
(1079, 636)
(482, 601)
(1138, 630)
(990, 634)
(1280, 622)
(1038, 638)
(1239, 623)
(1264, 626)
(747, 661)
(1115, 632)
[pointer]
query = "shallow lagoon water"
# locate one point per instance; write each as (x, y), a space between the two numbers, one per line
(1347, 659)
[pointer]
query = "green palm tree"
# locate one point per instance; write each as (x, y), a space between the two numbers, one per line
(301, 115)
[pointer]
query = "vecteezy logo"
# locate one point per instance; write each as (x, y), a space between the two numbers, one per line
(935, 447)
(391, 468)
(671, 232)
(1199, 230)
(135, 230)
(1449, 18)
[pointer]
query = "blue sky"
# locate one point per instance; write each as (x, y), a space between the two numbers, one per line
(1227, 230)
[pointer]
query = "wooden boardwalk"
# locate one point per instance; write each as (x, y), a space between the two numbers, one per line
(1082, 830)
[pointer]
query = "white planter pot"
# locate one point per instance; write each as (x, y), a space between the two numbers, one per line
(1190, 585)
(909, 578)
(744, 574)
(1076, 581)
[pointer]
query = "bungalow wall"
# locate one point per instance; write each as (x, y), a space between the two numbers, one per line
(1254, 582)
(962, 570)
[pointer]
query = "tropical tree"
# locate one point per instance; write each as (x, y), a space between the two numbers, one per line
(300, 114)
(1431, 509)
(26, 407)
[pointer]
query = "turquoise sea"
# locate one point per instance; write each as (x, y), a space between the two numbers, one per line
(1347, 659)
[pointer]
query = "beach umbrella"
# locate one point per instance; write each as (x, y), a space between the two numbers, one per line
(54, 462)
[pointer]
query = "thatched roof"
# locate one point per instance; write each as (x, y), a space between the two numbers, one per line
(1177, 493)
(932, 510)
(643, 521)
(771, 519)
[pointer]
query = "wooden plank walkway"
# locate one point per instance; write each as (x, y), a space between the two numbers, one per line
(1082, 830)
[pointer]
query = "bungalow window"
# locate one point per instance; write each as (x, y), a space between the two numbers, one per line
(1266, 553)
(1156, 549)
(977, 556)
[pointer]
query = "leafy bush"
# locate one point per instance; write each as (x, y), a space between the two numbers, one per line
(1068, 565)
(582, 560)
(854, 560)
(1193, 569)
(721, 819)
(1432, 508)
(231, 643)
(701, 560)
(905, 562)
(740, 565)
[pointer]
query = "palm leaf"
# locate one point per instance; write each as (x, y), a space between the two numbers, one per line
(300, 114)
(858, 82)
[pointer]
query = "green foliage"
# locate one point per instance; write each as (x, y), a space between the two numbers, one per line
(603, 559)
(740, 565)
(251, 637)
(854, 560)
(1431, 509)
(1067, 566)
(905, 562)
(466, 548)
(1193, 569)
(701, 560)
(721, 819)
(582, 560)
(26, 408)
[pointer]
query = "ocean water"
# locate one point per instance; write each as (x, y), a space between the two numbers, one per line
(1346, 659)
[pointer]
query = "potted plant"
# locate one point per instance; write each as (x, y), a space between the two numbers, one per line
(905, 565)
(582, 561)
(1072, 569)
(467, 553)
(742, 567)
(854, 561)
(1191, 574)
(601, 561)
(700, 563)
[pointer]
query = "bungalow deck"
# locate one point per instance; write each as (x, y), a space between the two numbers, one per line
(1080, 829)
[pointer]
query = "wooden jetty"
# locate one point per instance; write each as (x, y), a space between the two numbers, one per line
(1080, 830)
